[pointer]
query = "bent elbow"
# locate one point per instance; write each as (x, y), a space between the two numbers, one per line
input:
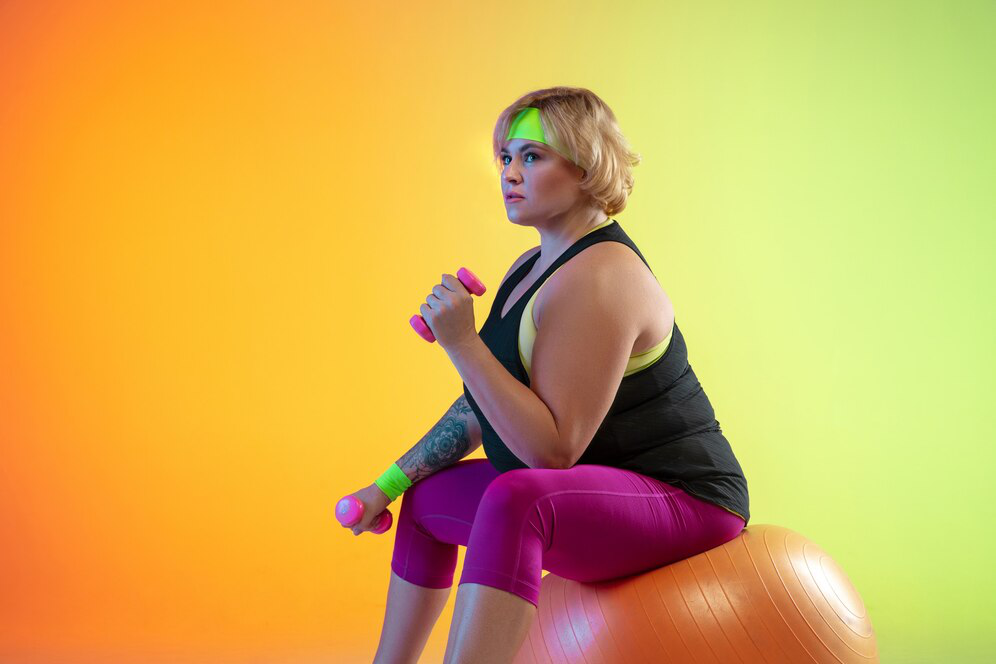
(564, 458)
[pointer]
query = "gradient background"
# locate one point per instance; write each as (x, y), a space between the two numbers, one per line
(215, 222)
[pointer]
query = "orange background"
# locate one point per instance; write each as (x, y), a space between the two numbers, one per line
(217, 218)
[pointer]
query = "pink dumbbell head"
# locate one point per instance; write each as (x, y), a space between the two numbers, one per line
(470, 281)
(349, 512)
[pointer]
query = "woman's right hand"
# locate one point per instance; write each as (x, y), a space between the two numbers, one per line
(374, 502)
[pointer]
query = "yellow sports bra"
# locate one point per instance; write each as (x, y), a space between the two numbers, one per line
(527, 334)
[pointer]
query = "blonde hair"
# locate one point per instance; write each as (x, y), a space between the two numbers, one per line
(582, 127)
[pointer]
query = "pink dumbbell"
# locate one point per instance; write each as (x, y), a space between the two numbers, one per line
(349, 512)
(470, 281)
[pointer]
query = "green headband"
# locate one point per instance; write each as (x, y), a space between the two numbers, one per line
(527, 125)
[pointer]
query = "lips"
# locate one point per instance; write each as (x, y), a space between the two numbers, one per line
(514, 197)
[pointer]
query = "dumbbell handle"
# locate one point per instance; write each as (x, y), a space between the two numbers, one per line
(349, 512)
(469, 281)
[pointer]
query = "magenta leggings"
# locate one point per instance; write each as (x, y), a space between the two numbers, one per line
(586, 523)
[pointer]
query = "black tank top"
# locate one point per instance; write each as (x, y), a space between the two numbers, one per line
(660, 424)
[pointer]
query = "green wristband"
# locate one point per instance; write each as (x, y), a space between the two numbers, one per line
(393, 482)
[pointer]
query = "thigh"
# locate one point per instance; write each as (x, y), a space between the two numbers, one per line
(602, 522)
(443, 504)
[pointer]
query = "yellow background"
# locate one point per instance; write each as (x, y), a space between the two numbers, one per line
(217, 218)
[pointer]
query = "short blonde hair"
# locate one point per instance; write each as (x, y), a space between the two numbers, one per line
(582, 127)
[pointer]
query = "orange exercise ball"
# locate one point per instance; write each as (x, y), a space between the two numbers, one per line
(768, 596)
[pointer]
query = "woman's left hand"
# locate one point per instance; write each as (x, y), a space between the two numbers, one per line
(449, 313)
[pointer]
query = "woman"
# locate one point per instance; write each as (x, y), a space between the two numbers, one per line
(604, 457)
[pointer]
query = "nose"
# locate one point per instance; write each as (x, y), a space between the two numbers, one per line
(511, 171)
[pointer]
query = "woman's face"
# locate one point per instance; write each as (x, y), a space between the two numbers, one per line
(547, 181)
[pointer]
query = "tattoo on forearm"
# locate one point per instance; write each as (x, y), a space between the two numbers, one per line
(445, 444)
(461, 407)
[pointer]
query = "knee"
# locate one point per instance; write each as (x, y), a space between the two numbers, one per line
(516, 490)
(511, 518)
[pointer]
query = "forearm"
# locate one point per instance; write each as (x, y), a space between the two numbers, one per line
(517, 414)
(453, 437)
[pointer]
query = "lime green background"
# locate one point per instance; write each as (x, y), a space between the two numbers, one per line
(816, 196)
(218, 219)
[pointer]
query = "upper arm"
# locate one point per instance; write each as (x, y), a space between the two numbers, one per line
(587, 314)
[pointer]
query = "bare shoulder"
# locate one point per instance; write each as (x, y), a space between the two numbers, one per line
(633, 284)
(614, 258)
(612, 261)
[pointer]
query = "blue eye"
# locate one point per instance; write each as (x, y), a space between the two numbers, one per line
(526, 154)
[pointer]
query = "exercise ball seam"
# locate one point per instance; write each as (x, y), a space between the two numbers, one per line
(657, 634)
(670, 568)
(712, 613)
(729, 602)
(781, 615)
(601, 612)
(816, 608)
(751, 599)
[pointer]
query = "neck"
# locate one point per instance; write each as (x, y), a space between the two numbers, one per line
(557, 236)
